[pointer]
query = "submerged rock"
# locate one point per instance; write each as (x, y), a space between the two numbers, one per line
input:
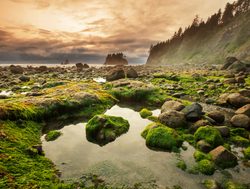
(103, 129)
(223, 157)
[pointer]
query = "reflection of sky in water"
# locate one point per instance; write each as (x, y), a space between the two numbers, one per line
(126, 160)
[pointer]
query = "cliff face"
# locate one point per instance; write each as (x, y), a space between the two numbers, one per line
(116, 59)
(206, 46)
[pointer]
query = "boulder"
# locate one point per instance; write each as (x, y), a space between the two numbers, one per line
(172, 105)
(102, 129)
(223, 157)
(217, 116)
(115, 74)
(193, 112)
(237, 66)
(244, 110)
(173, 119)
(85, 66)
(132, 73)
(241, 120)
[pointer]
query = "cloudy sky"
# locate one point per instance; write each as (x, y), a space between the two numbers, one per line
(87, 30)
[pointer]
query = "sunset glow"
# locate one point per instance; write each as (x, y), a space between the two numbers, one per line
(88, 30)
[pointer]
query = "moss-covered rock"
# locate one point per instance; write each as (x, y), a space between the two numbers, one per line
(161, 137)
(246, 153)
(145, 113)
(52, 135)
(210, 135)
(198, 156)
(240, 141)
(102, 129)
(206, 167)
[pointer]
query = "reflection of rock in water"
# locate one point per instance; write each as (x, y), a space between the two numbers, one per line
(122, 173)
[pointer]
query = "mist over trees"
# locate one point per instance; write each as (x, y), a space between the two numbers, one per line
(200, 28)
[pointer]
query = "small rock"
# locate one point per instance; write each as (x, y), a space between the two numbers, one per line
(241, 120)
(16, 69)
(244, 110)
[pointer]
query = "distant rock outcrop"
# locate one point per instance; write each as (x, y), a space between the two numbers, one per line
(116, 59)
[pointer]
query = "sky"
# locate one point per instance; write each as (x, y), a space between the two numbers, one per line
(87, 30)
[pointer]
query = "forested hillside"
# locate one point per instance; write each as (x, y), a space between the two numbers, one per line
(225, 33)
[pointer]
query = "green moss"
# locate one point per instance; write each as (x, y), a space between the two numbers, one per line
(163, 138)
(102, 129)
(198, 156)
(144, 133)
(210, 135)
(239, 132)
(240, 141)
(189, 138)
(246, 153)
(182, 165)
(153, 118)
(145, 113)
(52, 135)
(206, 167)
(233, 185)
(210, 184)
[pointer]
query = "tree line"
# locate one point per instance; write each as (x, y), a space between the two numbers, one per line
(201, 27)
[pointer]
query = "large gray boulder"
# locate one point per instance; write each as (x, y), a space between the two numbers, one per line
(193, 112)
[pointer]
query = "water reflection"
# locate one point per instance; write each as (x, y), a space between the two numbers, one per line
(127, 160)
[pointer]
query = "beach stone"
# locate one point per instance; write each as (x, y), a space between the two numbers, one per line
(173, 119)
(241, 120)
(223, 157)
(244, 110)
(224, 130)
(237, 100)
(193, 112)
(217, 116)
(172, 105)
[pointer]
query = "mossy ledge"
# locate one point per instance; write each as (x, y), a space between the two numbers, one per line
(22, 119)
